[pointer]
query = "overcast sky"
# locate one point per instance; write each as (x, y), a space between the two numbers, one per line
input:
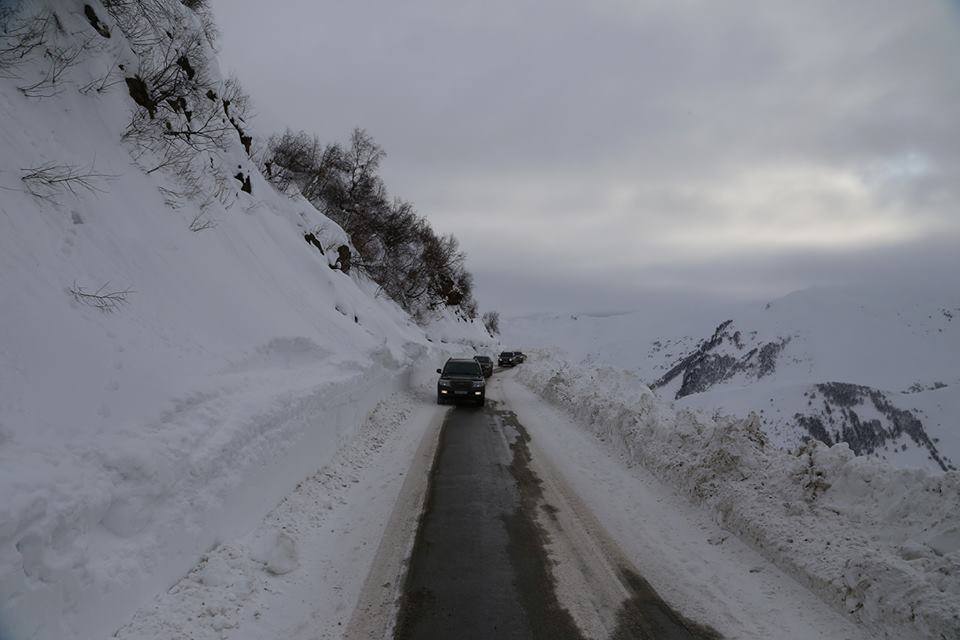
(594, 155)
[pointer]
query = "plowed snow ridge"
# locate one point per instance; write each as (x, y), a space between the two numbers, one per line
(880, 544)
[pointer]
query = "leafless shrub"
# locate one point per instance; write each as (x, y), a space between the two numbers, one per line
(224, 191)
(201, 222)
(184, 119)
(20, 37)
(491, 321)
(208, 24)
(41, 36)
(236, 106)
(198, 183)
(110, 78)
(47, 180)
(145, 23)
(103, 299)
(57, 60)
(171, 197)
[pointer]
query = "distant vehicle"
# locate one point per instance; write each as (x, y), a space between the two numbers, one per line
(486, 365)
(520, 356)
(507, 359)
(461, 380)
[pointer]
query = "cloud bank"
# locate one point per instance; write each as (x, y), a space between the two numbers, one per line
(591, 154)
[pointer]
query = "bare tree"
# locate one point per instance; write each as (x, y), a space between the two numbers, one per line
(491, 320)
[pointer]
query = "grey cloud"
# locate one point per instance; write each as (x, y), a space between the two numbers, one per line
(584, 151)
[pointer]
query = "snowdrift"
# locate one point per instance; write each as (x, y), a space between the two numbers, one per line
(879, 543)
(229, 360)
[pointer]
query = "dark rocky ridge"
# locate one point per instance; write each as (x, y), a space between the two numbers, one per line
(838, 421)
(719, 358)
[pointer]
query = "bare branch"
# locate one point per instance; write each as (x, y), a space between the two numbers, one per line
(20, 38)
(103, 299)
(201, 223)
(45, 181)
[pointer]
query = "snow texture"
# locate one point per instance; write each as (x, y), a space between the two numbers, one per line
(300, 569)
(879, 543)
(233, 363)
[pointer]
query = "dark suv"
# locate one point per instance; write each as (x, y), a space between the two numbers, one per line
(461, 380)
(486, 365)
(507, 359)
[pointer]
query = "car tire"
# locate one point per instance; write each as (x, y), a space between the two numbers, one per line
(440, 400)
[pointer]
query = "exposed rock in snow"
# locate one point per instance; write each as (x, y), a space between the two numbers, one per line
(709, 364)
(865, 419)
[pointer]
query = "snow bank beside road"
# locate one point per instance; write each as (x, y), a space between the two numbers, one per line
(300, 570)
(881, 544)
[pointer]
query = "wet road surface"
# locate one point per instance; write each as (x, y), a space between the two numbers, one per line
(481, 566)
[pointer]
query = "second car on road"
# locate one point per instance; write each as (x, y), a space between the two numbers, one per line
(486, 365)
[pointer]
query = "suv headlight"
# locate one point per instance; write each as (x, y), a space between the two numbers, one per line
(478, 384)
(444, 383)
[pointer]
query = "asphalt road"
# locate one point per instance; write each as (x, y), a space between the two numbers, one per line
(486, 557)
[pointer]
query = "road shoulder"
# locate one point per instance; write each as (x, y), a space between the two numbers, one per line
(694, 564)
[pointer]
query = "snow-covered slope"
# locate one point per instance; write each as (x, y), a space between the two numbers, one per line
(873, 366)
(228, 360)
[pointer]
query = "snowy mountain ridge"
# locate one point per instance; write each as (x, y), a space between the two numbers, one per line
(869, 420)
(870, 366)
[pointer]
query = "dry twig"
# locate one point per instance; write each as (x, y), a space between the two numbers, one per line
(103, 299)
(45, 181)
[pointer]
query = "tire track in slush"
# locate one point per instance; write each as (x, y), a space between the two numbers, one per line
(481, 565)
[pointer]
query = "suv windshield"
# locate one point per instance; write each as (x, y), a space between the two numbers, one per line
(461, 369)
(506, 354)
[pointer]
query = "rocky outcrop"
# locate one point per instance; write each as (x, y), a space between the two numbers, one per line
(841, 418)
(721, 357)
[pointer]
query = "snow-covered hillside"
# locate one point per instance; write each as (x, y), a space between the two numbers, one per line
(873, 366)
(174, 357)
